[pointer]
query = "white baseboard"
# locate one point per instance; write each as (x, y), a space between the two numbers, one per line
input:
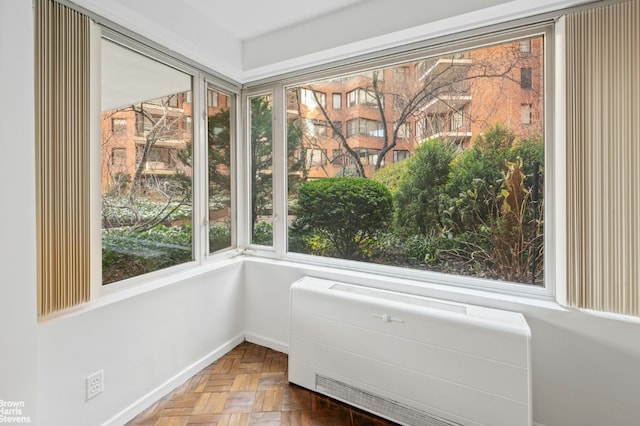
(266, 342)
(141, 404)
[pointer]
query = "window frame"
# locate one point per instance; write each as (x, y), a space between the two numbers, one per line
(526, 78)
(544, 29)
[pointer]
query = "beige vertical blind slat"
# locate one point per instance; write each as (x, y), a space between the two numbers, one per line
(62, 155)
(603, 158)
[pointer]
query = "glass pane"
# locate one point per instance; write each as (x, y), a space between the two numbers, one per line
(219, 155)
(261, 170)
(146, 167)
(436, 169)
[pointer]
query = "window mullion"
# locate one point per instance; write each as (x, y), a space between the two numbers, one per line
(199, 147)
(280, 172)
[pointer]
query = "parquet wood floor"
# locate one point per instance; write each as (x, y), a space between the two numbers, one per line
(249, 386)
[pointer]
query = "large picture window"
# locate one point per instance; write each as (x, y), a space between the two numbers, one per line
(464, 195)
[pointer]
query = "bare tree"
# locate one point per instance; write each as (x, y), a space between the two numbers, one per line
(445, 80)
(155, 121)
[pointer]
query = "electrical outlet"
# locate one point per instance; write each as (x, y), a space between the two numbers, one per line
(95, 384)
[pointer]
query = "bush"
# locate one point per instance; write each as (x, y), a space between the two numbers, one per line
(263, 234)
(391, 175)
(418, 208)
(344, 213)
(127, 253)
(219, 237)
(473, 213)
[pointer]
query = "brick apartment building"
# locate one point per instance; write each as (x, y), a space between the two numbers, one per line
(162, 126)
(389, 112)
(386, 112)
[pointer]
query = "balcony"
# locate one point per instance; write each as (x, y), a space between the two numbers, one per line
(446, 103)
(443, 65)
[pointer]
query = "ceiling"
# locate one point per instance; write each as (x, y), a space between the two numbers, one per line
(247, 40)
(245, 19)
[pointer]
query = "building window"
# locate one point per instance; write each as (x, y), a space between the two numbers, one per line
(119, 126)
(525, 78)
(452, 214)
(366, 127)
(400, 154)
(525, 46)
(403, 130)
(308, 98)
(336, 128)
(369, 156)
(316, 157)
(526, 113)
(173, 100)
(212, 98)
(336, 99)
(315, 128)
(401, 74)
(119, 157)
(361, 97)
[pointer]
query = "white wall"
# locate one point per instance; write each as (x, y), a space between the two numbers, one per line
(146, 345)
(17, 211)
(585, 367)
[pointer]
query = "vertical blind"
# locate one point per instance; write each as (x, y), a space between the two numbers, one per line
(62, 155)
(603, 158)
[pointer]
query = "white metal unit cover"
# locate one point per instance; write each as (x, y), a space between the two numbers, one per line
(411, 359)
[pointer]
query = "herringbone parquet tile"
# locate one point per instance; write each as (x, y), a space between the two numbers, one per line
(249, 386)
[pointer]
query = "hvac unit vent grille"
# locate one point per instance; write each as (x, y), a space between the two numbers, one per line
(376, 404)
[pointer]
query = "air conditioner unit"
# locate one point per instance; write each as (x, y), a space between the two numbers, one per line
(413, 360)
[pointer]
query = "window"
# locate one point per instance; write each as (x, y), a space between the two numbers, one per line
(144, 183)
(453, 209)
(336, 128)
(146, 205)
(526, 113)
(212, 98)
(525, 46)
(364, 126)
(361, 97)
(119, 157)
(525, 78)
(316, 157)
(219, 143)
(400, 154)
(369, 156)
(119, 126)
(312, 98)
(261, 139)
(404, 130)
(401, 74)
(315, 128)
(337, 100)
